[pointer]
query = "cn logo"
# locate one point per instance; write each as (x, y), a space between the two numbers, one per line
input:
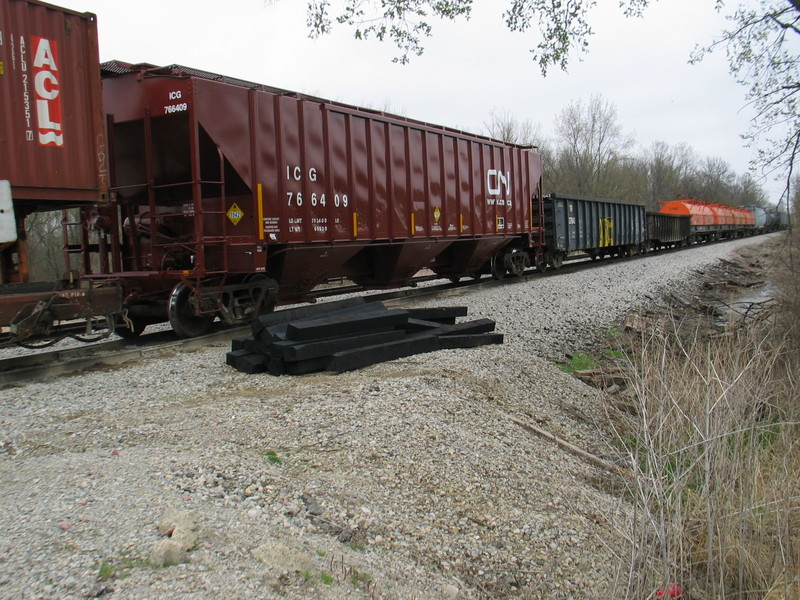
(48, 101)
(497, 181)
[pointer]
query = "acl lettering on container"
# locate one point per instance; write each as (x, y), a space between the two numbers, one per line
(46, 85)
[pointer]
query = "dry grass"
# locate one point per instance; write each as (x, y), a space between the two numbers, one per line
(714, 445)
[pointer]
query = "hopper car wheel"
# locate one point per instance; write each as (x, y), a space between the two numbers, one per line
(539, 262)
(454, 278)
(270, 298)
(181, 316)
(556, 259)
(515, 263)
(498, 266)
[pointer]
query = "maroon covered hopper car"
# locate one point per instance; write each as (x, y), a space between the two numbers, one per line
(228, 196)
(52, 134)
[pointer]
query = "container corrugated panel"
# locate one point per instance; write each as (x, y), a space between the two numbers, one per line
(574, 224)
(668, 229)
(52, 141)
(316, 171)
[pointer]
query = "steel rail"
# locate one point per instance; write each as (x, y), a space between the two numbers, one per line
(34, 366)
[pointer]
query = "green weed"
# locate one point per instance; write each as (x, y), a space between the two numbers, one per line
(580, 361)
(273, 457)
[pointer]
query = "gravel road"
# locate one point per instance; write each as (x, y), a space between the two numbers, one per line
(406, 480)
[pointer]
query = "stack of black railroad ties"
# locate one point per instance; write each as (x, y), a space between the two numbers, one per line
(350, 334)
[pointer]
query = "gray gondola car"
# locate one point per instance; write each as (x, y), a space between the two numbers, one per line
(667, 230)
(597, 227)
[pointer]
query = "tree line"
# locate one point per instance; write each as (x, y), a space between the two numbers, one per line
(760, 43)
(590, 154)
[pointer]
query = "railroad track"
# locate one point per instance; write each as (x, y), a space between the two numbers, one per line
(30, 366)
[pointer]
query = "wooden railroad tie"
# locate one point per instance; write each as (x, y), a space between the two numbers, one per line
(351, 334)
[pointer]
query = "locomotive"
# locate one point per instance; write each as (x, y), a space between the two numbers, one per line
(202, 196)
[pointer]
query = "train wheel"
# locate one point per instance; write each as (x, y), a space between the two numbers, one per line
(498, 266)
(260, 281)
(556, 259)
(539, 262)
(181, 315)
(516, 263)
(454, 278)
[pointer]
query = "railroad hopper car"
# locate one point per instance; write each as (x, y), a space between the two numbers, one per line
(52, 135)
(597, 227)
(230, 196)
(761, 219)
(711, 222)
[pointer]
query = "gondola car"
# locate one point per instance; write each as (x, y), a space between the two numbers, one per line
(667, 230)
(593, 226)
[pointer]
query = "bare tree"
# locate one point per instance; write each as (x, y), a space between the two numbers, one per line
(761, 46)
(712, 180)
(507, 128)
(746, 191)
(667, 168)
(591, 148)
(45, 243)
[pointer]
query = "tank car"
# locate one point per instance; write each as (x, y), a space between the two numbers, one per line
(781, 219)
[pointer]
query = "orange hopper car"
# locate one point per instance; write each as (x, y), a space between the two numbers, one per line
(711, 221)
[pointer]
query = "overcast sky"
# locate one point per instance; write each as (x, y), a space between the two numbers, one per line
(468, 69)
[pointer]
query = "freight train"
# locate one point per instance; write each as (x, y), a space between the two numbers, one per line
(201, 196)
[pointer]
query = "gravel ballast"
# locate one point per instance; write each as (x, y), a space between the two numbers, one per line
(405, 480)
